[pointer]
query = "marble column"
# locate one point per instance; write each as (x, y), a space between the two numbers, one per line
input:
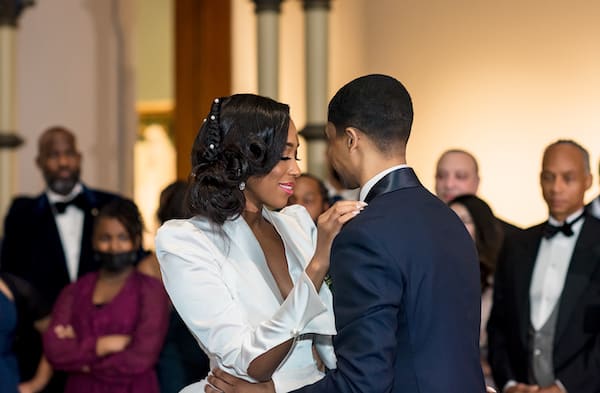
(267, 12)
(316, 19)
(10, 10)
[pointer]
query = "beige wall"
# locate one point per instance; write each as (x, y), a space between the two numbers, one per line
(154, 50)
(71, 72)
(501, 79)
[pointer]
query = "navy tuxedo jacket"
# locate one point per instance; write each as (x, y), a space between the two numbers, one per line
(32, 248)
(407, 296)
(577, 337)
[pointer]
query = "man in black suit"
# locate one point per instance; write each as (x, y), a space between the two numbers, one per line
(405, 271)
(457, 173)
(593, 207)
(544, 329)
(48, 238)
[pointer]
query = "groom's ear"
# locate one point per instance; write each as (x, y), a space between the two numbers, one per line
(352, 138)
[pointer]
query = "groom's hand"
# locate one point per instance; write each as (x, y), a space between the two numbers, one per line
(220, 381)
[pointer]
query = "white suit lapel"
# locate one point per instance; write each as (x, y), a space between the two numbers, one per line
(245, 247)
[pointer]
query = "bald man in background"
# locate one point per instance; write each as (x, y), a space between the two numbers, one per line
(457, 173)
(48, 238)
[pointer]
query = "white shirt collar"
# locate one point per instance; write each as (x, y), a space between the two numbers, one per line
(54, 197)
(570, 218)
(364, 191)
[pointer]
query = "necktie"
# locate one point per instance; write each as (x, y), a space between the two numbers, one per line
(551, 230)
(79, 202)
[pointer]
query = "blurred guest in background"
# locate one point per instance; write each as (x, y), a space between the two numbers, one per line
(310, 192)
(108, 327)
(457, 173)
(48, 238)
(487, 234)
(543, 331)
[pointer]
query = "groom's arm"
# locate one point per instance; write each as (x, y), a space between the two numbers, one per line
(367, 289)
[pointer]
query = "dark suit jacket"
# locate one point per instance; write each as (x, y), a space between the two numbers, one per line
(577, 337)
(509, 229)
(32, 250)
(407, 296)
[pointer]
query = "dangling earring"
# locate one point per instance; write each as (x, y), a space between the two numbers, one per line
(242, 186)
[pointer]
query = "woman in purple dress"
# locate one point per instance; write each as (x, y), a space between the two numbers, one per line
(108, 327)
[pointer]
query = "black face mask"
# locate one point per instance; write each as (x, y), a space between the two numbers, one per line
(115, 263)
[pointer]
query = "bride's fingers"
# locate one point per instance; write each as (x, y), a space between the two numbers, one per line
(347, 209)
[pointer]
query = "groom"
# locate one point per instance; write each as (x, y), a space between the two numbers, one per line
(407, 292)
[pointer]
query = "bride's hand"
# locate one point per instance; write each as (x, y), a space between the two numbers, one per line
(330, 223)
(220, 381)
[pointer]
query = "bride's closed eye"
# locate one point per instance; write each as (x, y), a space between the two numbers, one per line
(284, 158)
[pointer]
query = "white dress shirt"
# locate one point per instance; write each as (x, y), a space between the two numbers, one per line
(70, 228)
(364, 191)
(550, 271)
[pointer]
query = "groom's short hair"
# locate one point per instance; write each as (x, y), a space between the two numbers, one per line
(378, 105)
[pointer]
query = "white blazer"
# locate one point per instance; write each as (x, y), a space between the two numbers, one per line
(219, 282)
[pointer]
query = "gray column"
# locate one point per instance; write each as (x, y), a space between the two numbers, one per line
(267, 12)
(317, 51)
(10, 11)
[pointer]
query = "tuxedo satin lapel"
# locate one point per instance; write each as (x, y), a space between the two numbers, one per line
(245, 247)
(398, 179)
(522, 280)
(584, 262)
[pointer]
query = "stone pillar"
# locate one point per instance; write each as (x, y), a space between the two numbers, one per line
(10, 10)
(317, 47)
(267, 12)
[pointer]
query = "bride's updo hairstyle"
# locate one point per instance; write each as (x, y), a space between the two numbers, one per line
(244, 135)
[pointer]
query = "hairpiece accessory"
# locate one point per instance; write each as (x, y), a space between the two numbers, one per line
(242, 186)
(213, 132)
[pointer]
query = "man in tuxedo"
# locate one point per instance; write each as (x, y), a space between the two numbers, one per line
(593, 207)
(48, 238)
(457, 173)
(544, 328)
(405, 271)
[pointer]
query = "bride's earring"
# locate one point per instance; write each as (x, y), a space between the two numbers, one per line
(242, 186)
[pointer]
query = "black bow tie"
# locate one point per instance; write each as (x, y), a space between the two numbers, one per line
(79, 202)
(551, 230)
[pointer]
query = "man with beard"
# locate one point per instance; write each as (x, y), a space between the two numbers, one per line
(48, 238)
